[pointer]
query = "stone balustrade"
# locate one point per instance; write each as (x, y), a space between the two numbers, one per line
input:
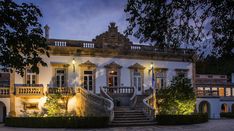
(29, 90)
(4, 92)
(61, 90)
(119, 90)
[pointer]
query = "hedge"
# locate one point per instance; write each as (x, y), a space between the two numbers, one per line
(227, 115)
(57, 122)
(181, 119)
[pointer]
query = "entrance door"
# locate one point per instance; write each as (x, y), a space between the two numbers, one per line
(88, 80)
(2, 112)
(137, 82)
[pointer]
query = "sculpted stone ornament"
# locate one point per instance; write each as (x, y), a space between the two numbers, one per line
(112, 39)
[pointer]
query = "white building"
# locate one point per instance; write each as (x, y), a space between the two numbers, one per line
(110, 60)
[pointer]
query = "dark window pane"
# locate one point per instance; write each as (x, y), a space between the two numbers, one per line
(88, 72)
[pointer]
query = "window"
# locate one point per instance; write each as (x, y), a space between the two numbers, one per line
(181, 72)
(30, 77)
(60, 77)
(88, 80)
(214, 91)
(221, 91)
(228, 91)
(137, 80)
(4, 79)
(160, 79)
(113, 78)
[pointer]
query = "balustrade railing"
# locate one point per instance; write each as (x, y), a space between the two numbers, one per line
(206, 93)
(100, 101)
(133, 99)
(148, 108)
(61, 90)
(4, 92)
(119, 90)
(105, 95)
(24, 89)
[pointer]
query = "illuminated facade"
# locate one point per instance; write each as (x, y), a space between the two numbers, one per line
(215, 94)
(110, 61)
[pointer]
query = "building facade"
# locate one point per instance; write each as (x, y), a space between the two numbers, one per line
(110, 60)
(215, 94)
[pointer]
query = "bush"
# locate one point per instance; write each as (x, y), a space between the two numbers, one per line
(57, 122)
(181, 119)
(227, 115)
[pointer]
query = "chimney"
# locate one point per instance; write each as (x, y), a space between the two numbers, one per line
(232, 78)
(47, 28)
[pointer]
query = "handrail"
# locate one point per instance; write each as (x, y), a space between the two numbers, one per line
(102, 101)
(149, 109)
(133, 99)
(60, 90)
(105, 95)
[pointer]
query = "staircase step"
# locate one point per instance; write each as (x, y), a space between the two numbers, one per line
(131, 118)
(134, 124)
(131, 121)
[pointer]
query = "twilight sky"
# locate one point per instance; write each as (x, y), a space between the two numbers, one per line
(80, 19)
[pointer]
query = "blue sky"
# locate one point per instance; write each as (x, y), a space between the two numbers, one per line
(80, 19)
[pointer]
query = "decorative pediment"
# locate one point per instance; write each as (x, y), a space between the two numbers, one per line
(88, 63)
(136, 66)
(113, 65)
(112, 39)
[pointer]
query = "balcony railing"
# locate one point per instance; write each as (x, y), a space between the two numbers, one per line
(119, 90)
(4, 92)
(61, 90)
(29, 90)
(206, 93)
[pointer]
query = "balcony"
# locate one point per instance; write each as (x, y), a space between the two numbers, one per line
(4, 92)
(206, 93)
(29, 90)
(61, 90)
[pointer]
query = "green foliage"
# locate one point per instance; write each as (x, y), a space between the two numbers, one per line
(53, 107)
(170, 23)
(57, 122)
(213, 65)
(165, 23)
(181, 119)
(22, 42)
(177, 99)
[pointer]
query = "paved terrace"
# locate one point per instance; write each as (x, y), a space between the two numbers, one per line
(212, 125)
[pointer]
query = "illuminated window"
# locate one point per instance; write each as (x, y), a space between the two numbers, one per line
(228, 91)
(113, 78)
(88, 80)
(224, 108)
(60, 77)
(30, 77)
(214, 91)
(160, 78)
(221, 91)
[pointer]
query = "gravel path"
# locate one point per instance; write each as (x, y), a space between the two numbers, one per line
(212, 125)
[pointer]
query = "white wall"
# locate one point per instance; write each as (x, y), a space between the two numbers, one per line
(214, 106)
(45, 75)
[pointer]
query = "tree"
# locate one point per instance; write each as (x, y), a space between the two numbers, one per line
(177, 99)
(172, 23)
(21, 37)
(167, 24)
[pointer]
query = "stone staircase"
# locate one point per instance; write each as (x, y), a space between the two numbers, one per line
(125, 116)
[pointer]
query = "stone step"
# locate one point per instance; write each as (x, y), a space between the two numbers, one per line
(134, 124)
(131, 118)
(130, 121)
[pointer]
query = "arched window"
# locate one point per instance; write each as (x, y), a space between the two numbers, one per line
(224, 108)
(2, 112)
(204, 107)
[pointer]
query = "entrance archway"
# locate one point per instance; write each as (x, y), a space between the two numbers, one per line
(2, 112)
(204, 107)
(224, 108)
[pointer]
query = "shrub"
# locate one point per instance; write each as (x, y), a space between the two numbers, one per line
(181, 119)
(57, 122)
(227, 115)
(177, 99)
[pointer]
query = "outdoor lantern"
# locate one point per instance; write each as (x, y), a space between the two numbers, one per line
(73, 63)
